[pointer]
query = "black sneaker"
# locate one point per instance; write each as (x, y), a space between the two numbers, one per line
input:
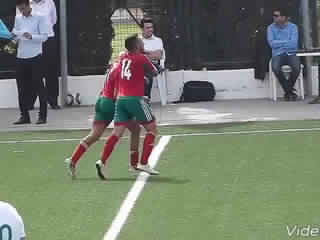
(22, 120)
(293, 97)
(287, 97)
(55, 107)
(41, 121)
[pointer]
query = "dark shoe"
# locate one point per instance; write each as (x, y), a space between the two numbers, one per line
(55, 107)
(293, 97)
(22, 120)
(287, 97)
(41, 121)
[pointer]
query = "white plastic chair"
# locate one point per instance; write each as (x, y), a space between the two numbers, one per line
(286, 69)
(162, 81)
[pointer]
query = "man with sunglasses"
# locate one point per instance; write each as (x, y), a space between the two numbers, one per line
(283, 37)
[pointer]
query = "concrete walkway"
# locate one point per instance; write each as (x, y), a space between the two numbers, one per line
(182, 113)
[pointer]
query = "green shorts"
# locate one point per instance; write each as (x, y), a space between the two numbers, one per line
(104, 109)
(132, 108)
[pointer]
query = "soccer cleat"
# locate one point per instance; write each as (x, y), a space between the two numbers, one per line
(133, 169)
(71, 168)
(99, 168)
(146, 168)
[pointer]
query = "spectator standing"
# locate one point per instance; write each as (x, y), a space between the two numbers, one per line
(47, 8)
(31, 31)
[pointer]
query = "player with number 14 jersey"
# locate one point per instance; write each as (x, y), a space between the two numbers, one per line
(133, 68)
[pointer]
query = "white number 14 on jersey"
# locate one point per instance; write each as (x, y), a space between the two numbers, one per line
(125, 71)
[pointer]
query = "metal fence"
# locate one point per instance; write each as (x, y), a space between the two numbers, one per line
(216, 34)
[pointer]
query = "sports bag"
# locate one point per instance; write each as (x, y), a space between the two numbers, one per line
(195, 91)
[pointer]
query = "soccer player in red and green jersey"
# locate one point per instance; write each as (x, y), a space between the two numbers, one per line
(130, 103)
(104, 113)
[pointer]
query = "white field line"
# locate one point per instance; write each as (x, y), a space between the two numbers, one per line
(134, 193)
(249, 132)
(141, 180)
(176, 135)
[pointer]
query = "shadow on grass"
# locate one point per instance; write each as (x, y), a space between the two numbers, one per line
(204, 127)
(151, 179)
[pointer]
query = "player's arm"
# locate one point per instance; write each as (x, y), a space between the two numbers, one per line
(154, 55)
(149, 68)
(157, 54)
(110, 81)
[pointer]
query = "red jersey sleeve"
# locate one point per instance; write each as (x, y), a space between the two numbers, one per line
(148, 66)
(110, 89)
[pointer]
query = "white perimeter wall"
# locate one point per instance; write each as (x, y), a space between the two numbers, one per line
(229, 84)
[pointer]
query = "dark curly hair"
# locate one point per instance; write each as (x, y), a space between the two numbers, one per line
(131, 42)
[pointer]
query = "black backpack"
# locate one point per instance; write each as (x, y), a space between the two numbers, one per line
(195, 91)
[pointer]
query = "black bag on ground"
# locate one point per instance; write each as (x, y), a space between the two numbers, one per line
(195, 91)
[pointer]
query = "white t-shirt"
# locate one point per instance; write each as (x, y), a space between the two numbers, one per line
(153, 44)
(11, 224)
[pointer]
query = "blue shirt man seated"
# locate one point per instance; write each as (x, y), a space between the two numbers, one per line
(282, 36)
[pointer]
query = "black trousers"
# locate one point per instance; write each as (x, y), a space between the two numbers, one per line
(148, 82)
(50, 71)
(51, 60)
(291, 60)
(29, 81)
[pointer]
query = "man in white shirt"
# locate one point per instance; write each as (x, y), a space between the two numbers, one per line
(30, 31)
(11, 223)
(47, 8)
(153, 49)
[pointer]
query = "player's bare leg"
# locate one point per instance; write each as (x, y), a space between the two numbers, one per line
(94, 135)
(148, 145)
(134, 129)
(108, 149)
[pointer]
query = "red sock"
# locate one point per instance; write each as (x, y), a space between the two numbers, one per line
(78, 152)
(108, 148)
(134, 158)
(147, 148)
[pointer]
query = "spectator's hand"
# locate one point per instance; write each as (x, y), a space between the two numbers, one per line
(27, 35)
(154, 55)
(148, 55)
(14, 37)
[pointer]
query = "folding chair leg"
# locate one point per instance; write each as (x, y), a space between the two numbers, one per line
(301, 86)
(274, 87)
(272, 82)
